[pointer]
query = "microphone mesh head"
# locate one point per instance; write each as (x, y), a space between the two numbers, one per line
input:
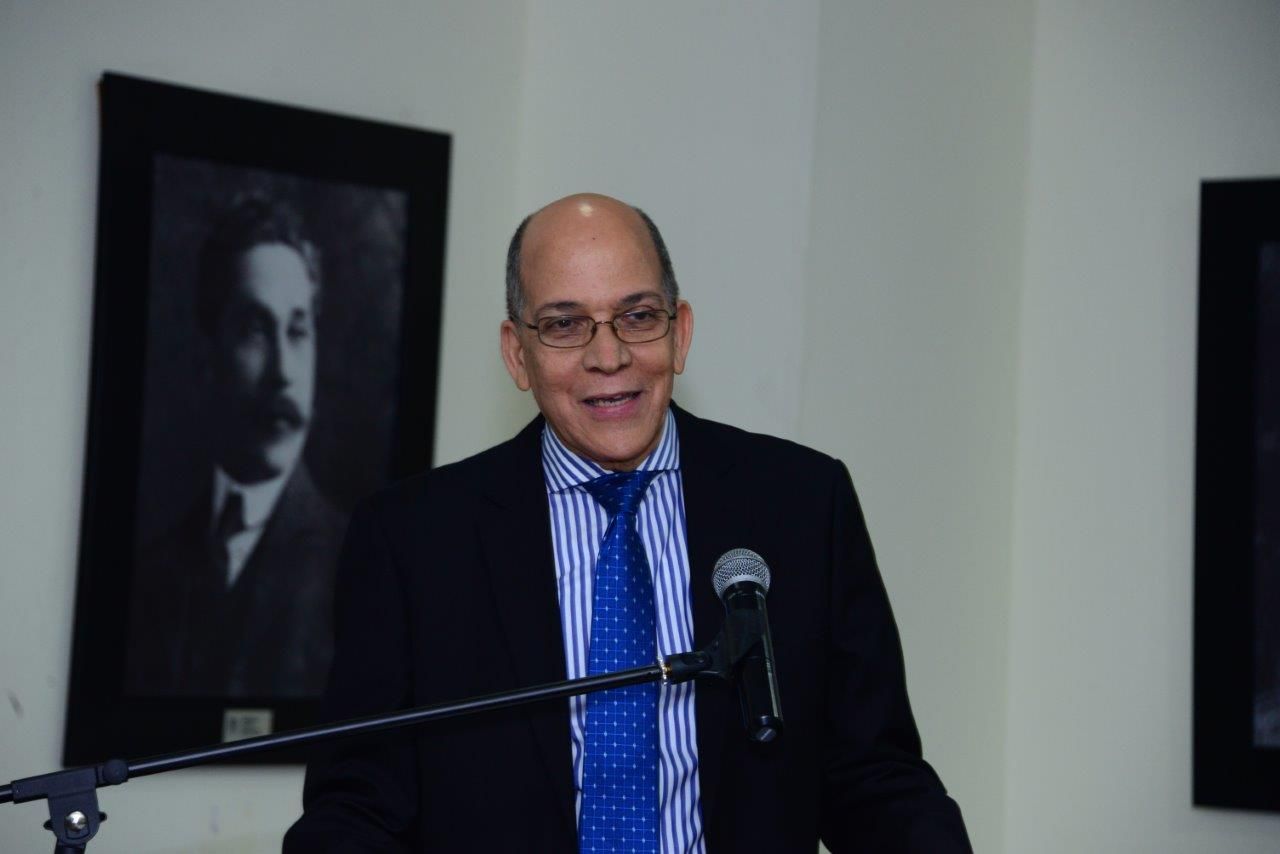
(739, 565)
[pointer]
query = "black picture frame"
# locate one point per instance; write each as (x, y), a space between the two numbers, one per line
(381, 308)
(1236, 759)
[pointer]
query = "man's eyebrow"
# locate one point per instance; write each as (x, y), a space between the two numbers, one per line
(572, 306)
(250, 308)
(562, 307)
(639, 297)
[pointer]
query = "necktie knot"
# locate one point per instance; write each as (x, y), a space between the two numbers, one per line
(620, 492)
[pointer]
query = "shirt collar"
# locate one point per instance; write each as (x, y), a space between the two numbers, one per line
(563, 469)
(259, 498)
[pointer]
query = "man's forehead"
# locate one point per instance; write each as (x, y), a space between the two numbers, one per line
(587, 254)
(275, 275)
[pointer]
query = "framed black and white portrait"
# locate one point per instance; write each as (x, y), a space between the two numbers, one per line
(1237, 548)
(266, 336)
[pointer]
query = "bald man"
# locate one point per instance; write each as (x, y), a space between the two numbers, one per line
(481, 576)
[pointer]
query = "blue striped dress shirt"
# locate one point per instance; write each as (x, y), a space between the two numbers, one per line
(578, 524)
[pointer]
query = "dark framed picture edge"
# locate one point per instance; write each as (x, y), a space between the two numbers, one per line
(140, 119)
(1237, 216)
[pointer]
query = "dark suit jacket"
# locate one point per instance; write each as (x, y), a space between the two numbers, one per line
(447, 590)
(269, 635)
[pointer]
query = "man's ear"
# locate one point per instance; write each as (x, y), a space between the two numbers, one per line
(682, 333)
(513, 354)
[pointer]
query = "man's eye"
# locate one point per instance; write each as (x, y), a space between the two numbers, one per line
(567, 325)
(299, 332)
(641, 319)
(251, 329)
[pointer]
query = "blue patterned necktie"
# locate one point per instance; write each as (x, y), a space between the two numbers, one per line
(620, 755)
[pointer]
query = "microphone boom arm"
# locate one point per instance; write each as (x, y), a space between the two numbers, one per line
(72, 794)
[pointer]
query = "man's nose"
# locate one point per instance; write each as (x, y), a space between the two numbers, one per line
(281, 367)
(606, 351)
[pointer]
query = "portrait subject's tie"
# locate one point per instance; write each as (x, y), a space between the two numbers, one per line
(230, 522)
(206, 629)
(620, 755)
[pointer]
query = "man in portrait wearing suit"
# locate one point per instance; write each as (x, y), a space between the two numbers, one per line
(585, 545)
(236, 599)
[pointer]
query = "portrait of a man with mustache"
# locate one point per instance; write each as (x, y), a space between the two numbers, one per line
(234, 601)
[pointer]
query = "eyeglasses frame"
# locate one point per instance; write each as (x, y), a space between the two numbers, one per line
(596, 324)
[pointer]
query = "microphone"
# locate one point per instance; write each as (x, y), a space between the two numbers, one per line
(741, 579)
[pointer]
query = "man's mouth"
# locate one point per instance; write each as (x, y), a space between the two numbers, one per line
(610, 400)
(283, 414)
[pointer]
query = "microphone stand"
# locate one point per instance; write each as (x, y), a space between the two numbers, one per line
(73, 798)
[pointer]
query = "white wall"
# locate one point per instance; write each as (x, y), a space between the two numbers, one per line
(913, 278)
(703, 115)
(453, 66)
(1132, 105)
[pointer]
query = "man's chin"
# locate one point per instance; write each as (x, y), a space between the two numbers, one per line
(621, 455)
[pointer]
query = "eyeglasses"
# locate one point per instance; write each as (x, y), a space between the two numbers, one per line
(634, 326)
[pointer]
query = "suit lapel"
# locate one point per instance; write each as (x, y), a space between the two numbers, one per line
(716, 514)
(269, 563)
(278, 566)
(518, 557)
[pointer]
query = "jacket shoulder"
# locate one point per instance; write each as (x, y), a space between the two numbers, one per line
(759, 450)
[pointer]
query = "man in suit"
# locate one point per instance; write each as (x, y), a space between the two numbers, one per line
(483, 576)
(235, 600)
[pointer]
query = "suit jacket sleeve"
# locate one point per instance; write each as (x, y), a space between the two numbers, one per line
(362, 794)
(878, 793)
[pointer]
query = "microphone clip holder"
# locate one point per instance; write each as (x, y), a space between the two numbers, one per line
(741, 635)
